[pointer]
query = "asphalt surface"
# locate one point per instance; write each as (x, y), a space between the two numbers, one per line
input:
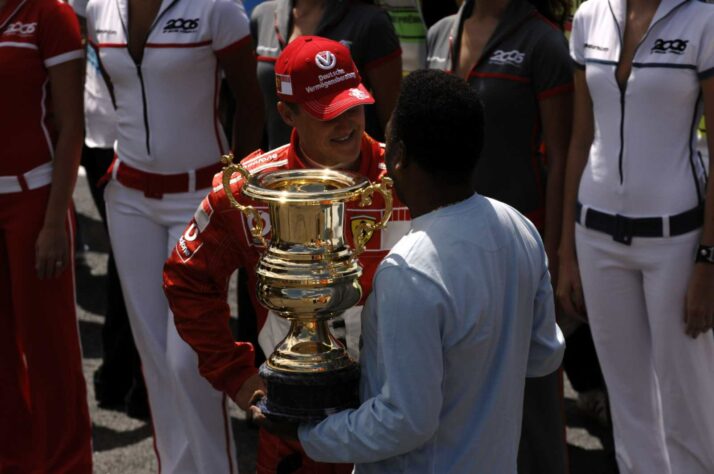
(124, 445)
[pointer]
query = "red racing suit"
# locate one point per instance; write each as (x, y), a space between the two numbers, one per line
(217, 241)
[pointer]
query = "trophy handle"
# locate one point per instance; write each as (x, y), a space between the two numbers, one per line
(365, 228)
(249, 211)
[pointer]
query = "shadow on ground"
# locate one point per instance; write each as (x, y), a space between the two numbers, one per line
(587, 461)
(92, 235)
(91, 294)
(90, 334)
(590, 461)
(105, 439)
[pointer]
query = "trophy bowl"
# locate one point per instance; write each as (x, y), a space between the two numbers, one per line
(308, 274)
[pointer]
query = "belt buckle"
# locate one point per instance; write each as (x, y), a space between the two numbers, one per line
(623, 230)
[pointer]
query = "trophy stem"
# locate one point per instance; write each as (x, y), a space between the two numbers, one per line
(309, 348)
(310, 375)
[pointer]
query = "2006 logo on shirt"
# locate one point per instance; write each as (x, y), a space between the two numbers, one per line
(514, 58)
(181, 25)
(676, 46)
(20, 29)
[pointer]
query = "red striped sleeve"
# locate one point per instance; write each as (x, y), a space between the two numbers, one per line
(557, 90)
(499, 75)
(235, 46)
(379, 61)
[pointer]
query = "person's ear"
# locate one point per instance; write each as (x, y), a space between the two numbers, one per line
(287, 114)
(399, 157)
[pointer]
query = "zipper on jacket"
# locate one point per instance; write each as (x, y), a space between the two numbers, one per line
(145, 109)
(623, 90)
(622, 126)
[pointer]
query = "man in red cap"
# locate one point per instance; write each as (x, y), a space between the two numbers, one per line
(321, 97)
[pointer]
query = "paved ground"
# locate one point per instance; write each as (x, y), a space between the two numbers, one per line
(124, 445)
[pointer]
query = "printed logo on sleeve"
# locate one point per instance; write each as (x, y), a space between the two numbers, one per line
(436, 59)
(676, 46)
(188, 243)
(596, 47)
(267, 50)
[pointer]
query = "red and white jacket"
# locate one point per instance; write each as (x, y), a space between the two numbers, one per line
(35, 35)
(217, 241)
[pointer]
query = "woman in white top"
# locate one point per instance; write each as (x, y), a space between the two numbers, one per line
(636, 189)
(163, 62)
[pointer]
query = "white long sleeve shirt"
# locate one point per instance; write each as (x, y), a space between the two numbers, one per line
(460, 314)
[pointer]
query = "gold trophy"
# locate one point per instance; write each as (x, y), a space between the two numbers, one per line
(308, 275)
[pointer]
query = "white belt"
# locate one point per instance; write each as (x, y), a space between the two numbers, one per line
(35, 178)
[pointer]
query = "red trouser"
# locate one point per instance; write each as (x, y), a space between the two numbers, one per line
(277, 456)
(44, 418)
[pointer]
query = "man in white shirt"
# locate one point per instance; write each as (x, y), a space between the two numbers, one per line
(460, 314)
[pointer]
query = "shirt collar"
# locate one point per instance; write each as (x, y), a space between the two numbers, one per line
(123, 7)
(618, 8)
(517, 12)
(424, 220)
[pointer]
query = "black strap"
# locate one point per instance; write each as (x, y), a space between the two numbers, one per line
(623, 229)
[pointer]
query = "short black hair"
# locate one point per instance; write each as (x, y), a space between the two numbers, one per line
(439, 119)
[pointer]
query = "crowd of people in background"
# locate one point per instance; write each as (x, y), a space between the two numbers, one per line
(598, 144)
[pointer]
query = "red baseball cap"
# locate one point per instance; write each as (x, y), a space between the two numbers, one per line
(319, 74)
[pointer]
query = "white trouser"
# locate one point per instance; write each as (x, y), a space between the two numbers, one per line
(660, 381)
(191, 423)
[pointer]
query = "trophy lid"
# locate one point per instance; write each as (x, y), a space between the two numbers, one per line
(305, 186)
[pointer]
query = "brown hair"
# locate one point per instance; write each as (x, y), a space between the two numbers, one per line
(556, 11)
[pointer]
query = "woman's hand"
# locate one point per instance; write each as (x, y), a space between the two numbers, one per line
(569, 291)
(699, 309)
(51, 251)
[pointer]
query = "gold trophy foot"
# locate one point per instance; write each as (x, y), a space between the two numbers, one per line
(299, 397)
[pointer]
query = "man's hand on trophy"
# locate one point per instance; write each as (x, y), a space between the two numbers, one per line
(281, 429)
(252, 389)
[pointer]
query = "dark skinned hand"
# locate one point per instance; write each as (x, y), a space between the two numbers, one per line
(282, 429)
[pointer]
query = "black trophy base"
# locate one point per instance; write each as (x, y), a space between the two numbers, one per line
(308, 397)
